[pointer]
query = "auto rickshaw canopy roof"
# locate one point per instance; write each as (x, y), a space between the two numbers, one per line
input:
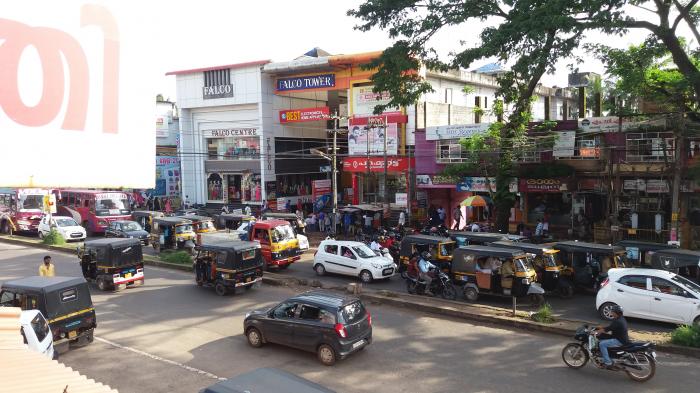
(43, 284)
(283, 216)
(112, 243)
(537, 249)
(116, 252)
(226, 245)
(364, 208)
(61, 295)
(409, 240)
(644, 246)
(236, 217)
(478, 236)
(674, 258)
(196, 219)
(147, 213)
(461, 263)
(171, 221)
(574, 246)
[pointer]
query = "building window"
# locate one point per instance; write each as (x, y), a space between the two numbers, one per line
(214, 188)
(234, 148)
(450, 151)
(650, 147)
(217, 77)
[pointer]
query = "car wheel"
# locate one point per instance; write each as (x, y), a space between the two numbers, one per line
(319, 269)
(254, 338)
(366, 276)
(326, 355)
(605, 311)
(220, 289)
(696, 322)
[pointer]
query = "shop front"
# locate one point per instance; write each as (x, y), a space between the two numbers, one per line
(644, 207)
(549, 200)
(367, 179)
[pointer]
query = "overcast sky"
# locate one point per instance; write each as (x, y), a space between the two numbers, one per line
(204, 33)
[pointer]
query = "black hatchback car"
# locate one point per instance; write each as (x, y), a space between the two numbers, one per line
(329, 324)
(127, 229)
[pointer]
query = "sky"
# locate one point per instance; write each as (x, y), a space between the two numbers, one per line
(202, 33)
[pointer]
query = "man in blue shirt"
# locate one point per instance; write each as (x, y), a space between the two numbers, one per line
(424, 267)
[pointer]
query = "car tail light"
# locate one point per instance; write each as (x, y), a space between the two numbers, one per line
(115, 275)
(605, 282)
(140, 270)
(340, 329)
(369, 318)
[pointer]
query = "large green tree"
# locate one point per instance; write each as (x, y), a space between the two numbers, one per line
(529, 35)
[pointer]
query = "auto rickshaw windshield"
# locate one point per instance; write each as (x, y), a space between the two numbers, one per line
(183, 228)
(446, 249)
(521, 264)
(205, 225)
(550, 260)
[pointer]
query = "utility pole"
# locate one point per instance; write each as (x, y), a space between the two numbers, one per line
(334, 164)
(367, 163)
(678, 126)
(386, 167)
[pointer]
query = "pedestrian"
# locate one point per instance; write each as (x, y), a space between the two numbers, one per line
(327, 222)
(248, 211)
(47, 268)
(299, 207)
(368, 222)
(457, 217)
(347, 221)
(336, 223)
(475, 227)
(321, 221)
(288, 206)
(156, 204)
(539, 228)
(168, 206)
(402, 219)
(265, 206)
(224, 209)
(441, 214)
(187, 201)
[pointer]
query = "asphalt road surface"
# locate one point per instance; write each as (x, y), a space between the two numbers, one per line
(171, 336)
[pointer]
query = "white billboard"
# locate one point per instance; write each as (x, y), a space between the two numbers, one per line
(364, 100)
(76, 101)
(371, 141)
(456, 131)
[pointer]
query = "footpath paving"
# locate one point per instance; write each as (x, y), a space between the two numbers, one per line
(453, 309)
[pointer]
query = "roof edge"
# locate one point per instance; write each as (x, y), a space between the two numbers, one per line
(230, 66)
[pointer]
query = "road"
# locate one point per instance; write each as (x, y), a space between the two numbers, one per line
(171, 336)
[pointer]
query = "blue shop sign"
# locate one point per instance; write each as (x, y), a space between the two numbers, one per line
(306, 82)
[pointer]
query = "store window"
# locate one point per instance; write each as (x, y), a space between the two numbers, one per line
(650, 147)
(214, 188)
(234, 148)
(554, 207)
(296, 185)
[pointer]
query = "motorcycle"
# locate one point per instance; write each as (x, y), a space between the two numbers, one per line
(637, 360)
(440, 230)
(439, 286)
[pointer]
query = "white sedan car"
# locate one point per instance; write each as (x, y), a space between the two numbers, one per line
(650, 294)
(351, 259)
(66, 226)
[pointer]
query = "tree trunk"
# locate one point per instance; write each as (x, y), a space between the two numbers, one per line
(681, 59)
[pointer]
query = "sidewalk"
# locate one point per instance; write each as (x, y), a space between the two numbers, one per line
(455, 309)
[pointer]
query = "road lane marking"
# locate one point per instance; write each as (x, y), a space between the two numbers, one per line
(160, 359)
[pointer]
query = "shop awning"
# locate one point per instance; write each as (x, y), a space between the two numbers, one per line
(476, 201)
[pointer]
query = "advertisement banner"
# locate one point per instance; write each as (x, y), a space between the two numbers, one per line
(358, 142)
(364, 100)
(167, 176)
(634, 184)
(455, 131)
(656, 186)
(478, 184)
(322, 192)
(401, 199)
(436, 181)
(162, 126)
(612, 124)
(543, 185)
(305, 114)
(394, 164)
(73, 77)
(565, 145)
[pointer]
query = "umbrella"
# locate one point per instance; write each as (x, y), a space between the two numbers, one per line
(475, 201)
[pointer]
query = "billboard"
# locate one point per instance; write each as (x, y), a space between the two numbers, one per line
(362, 140)
(76, 105)
(167, 176)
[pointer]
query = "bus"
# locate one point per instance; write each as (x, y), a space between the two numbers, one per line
(94, 209)
(21, 209)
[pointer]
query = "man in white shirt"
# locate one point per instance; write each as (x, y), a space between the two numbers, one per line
(368, 222)
(402, 218)
(475, 227)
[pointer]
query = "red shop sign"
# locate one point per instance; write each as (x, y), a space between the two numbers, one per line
(305, 114)
(390, 117)
(394, 164)
(542, 185)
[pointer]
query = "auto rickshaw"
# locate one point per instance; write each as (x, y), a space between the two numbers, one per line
(172, 233)
(297, 224)
(64, 301)
(440, 249)
(466, 238)
(112, 263)
(545, 260)
(638, 251)
(586, 265)
(229, 265)
(200, 225)
(494, 271)
(683, 262)
(145, 218)
(232, 221)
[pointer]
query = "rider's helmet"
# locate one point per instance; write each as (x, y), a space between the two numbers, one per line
(425, 255)
(616, 309)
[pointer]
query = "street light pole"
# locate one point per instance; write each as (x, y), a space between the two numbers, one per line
(334, 164)
(386, 164)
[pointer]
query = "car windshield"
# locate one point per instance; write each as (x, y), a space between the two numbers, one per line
(684, 281)
(183, 228)
(131, 226)
(364, 251)
(31, 202)
(111, 204)
(66, 222)
(282, 233)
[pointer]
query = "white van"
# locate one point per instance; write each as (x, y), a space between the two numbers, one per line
(36, 333)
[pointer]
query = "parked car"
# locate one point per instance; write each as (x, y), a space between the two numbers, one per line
(36, 333)
(66, 226)
(127, 229)
(330, 324)
(650, 294)
(352, 259)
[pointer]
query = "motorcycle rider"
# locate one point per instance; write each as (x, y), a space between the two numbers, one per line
(374, 246)
(613, 335)
(424, 267)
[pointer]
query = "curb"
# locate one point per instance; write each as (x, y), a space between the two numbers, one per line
(407, 301)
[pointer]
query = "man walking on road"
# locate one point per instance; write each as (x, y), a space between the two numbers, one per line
(457, 217)
(47, 268)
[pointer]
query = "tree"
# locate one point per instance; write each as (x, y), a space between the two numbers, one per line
(530, 35)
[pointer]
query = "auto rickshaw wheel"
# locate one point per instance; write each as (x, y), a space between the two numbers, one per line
(536, 299)
(90, 336)
(101, 284)
(220, 289)
(471, 294)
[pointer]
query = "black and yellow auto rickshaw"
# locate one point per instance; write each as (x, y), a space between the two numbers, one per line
(586, 265)
(200, 225)
(233, 221)
(545, 260)
(440, 249)
(638, 251)
(683, 262)
(112, 263)
(494, 271)
(145, 218)
(229, 265)
(466, 238)
(172, 233)
(64, 301)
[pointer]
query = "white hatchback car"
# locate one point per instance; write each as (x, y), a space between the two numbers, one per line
(650, 294)
(66, 226)
(351, 259)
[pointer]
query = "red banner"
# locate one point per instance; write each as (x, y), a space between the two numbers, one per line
(378, 120)
(543, 185)
(305, 114)
(394, 164)
(321, 187)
